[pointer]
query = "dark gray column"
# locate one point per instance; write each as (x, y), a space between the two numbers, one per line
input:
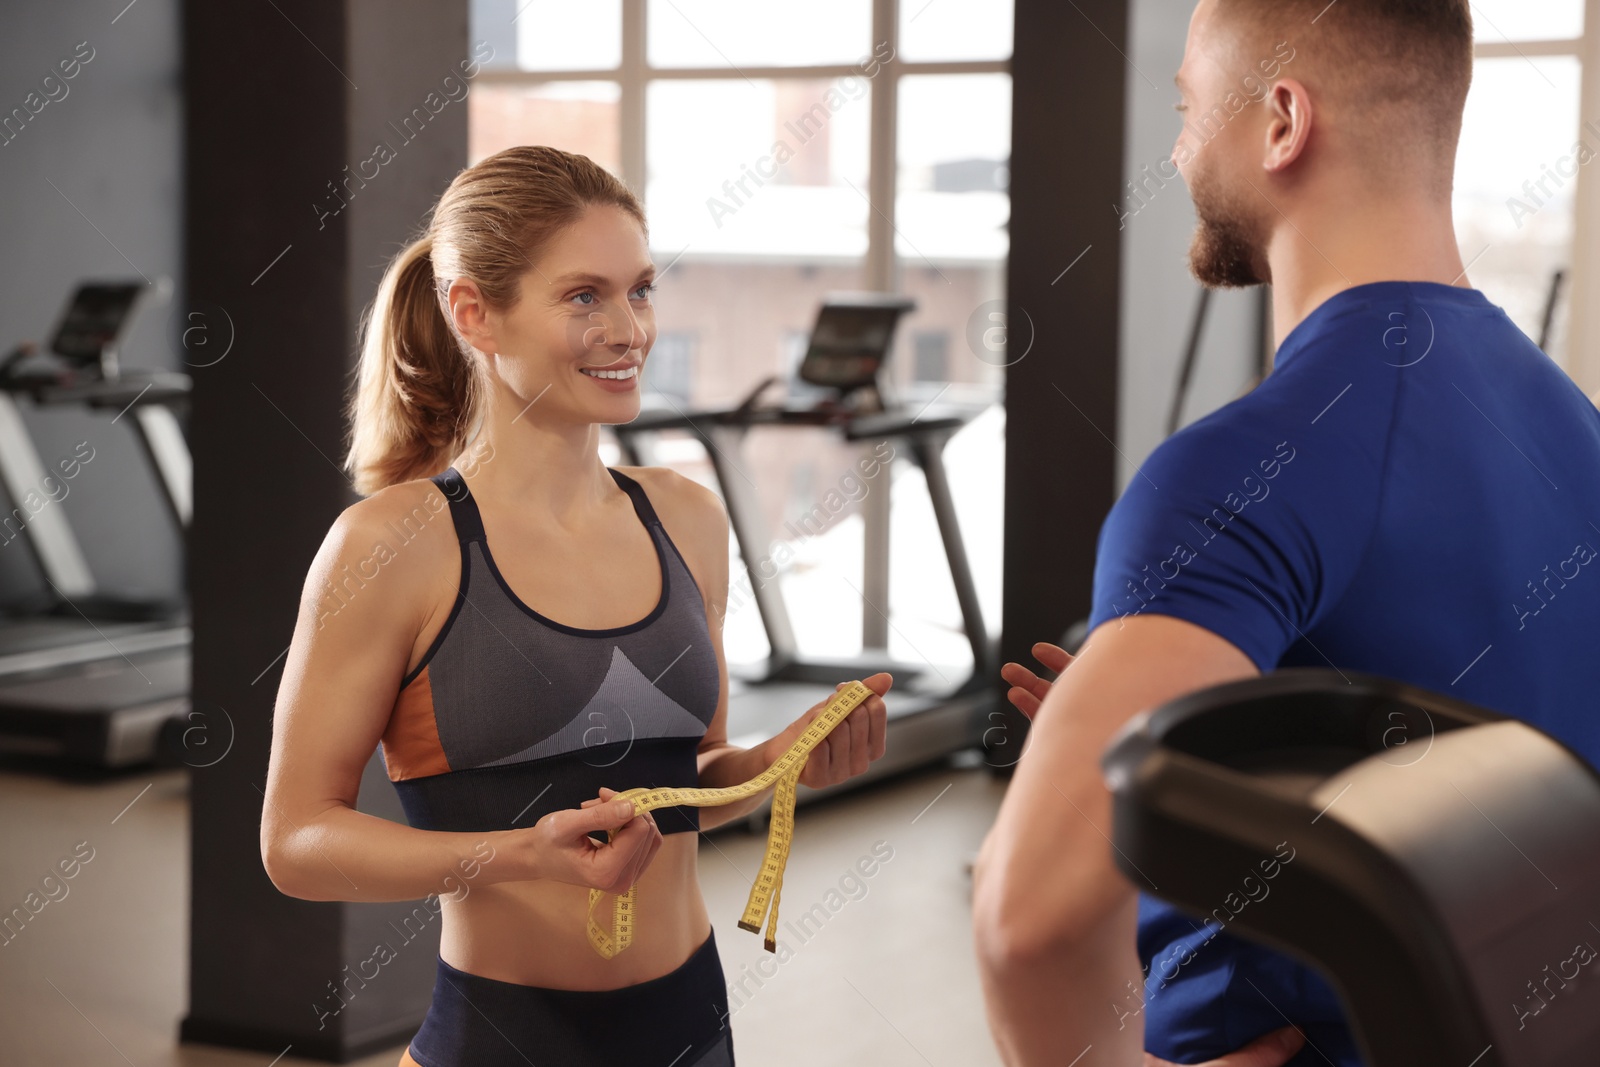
(284, 246)
(1061, 397)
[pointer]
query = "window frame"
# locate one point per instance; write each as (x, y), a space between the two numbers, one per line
(634, 75)
(880, 270)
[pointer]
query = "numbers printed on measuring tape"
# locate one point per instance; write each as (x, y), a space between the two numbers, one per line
(785, 771)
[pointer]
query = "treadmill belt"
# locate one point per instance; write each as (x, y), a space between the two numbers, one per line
(28, 647)
(102, 687)
(30, 635)
(766, 709)
(110, 713)
(761, 711)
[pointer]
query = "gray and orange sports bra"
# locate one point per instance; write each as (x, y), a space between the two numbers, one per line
(511, 715)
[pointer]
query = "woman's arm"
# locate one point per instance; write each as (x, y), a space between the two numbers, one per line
(357, 624)
(698, 524)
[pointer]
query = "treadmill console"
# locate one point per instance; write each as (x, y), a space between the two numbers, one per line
(850, 341)
(95, 320)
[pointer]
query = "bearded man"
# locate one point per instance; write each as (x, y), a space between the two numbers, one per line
(1414, 491)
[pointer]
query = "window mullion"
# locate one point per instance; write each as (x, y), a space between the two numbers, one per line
(880, 265)
(881, 274)
(634, 86)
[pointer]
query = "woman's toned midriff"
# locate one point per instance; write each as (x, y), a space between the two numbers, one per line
(535, 933)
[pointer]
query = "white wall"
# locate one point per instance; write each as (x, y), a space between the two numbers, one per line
(1159, 293)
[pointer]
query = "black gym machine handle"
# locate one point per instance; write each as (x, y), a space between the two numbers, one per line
(1398, 805)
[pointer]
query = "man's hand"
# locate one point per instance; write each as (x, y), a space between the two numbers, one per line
(1028, 690)
(1054, 919)
(1270, 1050)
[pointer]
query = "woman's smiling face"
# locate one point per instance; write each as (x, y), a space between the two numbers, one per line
(577, 339)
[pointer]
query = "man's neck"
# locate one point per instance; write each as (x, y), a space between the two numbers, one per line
(1315, 256)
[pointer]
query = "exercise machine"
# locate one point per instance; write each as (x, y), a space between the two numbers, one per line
(1191, 356)
(839, 386)
(1443, 861)
(85, 676)
(1551, 300)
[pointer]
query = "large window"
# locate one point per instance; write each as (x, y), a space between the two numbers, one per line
(1523, 144)
(786, 151)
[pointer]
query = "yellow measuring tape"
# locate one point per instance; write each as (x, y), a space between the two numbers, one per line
(786, 772)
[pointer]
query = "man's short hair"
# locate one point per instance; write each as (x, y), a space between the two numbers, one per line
(1404, 65)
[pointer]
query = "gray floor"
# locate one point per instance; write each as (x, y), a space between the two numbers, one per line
(882, 975)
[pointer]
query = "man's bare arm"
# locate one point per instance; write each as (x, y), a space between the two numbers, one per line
(1053, 919)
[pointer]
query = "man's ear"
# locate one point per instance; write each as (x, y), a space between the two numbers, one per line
(1288, 127)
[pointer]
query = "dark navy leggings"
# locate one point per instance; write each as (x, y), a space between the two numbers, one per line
(676, 1020)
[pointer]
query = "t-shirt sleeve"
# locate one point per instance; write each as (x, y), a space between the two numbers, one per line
(1251, 529)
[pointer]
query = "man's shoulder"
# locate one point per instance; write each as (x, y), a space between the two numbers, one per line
(1322, 464)
(1238, 435)
(1338, 418)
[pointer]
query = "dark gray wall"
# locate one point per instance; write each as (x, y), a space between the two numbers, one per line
(381, 219)
(281, 98)
(92, 189)
(1063, 294)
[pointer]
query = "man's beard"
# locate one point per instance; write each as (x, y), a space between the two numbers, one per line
(1226, 244)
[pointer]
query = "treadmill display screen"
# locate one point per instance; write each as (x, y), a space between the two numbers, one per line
(95, 319)
(850, 343)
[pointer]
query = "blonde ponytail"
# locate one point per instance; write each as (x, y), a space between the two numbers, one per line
(419, 392)
(415, 391)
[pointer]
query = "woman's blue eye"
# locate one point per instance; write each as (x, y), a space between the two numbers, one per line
(588, 298)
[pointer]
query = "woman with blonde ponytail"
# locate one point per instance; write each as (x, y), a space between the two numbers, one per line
(513, 692)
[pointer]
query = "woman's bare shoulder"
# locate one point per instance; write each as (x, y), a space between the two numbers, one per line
(403, 531)
(683, 504)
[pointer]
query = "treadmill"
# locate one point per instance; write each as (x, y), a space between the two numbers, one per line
(838, 387)
(85, 677)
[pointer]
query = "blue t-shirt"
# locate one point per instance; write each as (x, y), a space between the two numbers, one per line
(1413, 492)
